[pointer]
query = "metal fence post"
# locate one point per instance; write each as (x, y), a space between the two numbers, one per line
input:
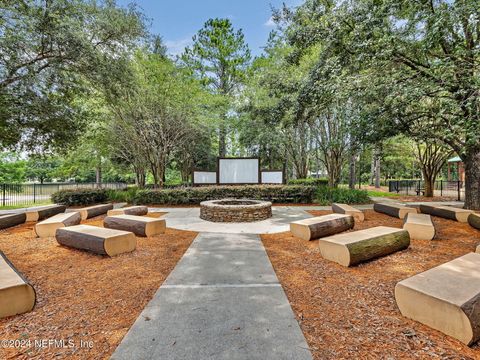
(34, 193)
(4, 194)
(441, 187)
(458, 189)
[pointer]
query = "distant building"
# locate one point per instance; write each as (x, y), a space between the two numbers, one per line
(456, 169)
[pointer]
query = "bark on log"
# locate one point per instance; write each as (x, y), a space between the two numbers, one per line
(17, 295)
(44, 212)
(419, 226)
(48, 227)
(96, 239)
(14, 219)
(348, 210)
(473, 220)
(139, 225)
(358, 246)
(395, 210)
(131, 210)
(314, 228)
(95, 210)
(447, 212)
(446, 298)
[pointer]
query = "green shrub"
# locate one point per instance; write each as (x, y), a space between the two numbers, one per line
(80, 197)
(195, 195)
(326, 196)
(309, 182)
(127, 195)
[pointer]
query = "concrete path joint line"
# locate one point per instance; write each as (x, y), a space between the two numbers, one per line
(216, 286)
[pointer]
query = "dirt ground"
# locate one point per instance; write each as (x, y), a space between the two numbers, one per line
(83, 296)
(350, 313)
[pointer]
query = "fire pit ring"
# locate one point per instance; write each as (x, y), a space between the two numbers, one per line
(235, 210)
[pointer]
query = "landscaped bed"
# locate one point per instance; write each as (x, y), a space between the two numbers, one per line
(82, 296)
(351, 312)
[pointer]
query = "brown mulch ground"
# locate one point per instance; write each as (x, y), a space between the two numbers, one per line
(350, 313)
(82, 296)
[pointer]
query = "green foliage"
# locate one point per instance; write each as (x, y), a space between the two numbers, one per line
(195, 195)
(127, 195)
(309, 182)
(12, 170)
(80, 197)
(326, 196)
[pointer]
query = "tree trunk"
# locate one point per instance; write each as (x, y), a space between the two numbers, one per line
(352, 176)
(222, 140)
(472, 180)
(98, 175)
(429, 185)
(377, 171)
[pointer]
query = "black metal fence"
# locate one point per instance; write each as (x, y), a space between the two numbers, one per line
(31, 194)
(453, 189)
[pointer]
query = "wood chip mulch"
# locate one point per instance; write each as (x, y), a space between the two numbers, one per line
(350, 313)
(82, 296)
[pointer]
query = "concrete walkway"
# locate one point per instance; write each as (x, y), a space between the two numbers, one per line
(222, 301)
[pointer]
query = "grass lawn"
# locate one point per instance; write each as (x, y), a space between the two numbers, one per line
(22, 206)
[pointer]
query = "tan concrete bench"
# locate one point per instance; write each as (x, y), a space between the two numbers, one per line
(48, 227)
(474, 220)
(17, 296)
(13, 219)
(131, 210)
(447, 212)
(139, 225)
(357, 246)
(419, 226)
(44, 212)
(446, 298)
(97, 239)
(348, 210)
(316, 227)
(94, 210)
(395, 210)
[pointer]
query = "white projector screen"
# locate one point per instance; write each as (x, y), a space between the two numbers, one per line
(238, 171)
(204, 177)
(272, 177)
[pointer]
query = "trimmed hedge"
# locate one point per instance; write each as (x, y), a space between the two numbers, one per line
(326, 196)
(80, 197)
(195, 195)
(309, 182)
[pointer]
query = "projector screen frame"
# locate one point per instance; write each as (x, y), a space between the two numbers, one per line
(275, 171)
(206, 171)
(239, 158)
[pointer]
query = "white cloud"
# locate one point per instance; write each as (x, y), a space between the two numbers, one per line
(269, 22)
(176, 47)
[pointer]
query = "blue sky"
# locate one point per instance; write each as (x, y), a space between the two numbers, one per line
(178, 20)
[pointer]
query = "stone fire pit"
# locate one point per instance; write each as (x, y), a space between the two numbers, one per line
(235, 210)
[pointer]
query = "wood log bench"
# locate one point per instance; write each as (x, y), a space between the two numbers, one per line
(12, 219)
(44, 212)
(97, 239)
(94, 210)
(48, 227)
(447, 212)
(395, 210)
(446, 298)
(131, 210)
(139, 225)
(316, 227)
(419, 226)
(345, 209)
(17, 296)
(473, 219)
(355, 247)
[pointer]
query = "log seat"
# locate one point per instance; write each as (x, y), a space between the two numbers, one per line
(44, 212)
(395, 210)
(446, 298)
(94, 210)
(345, 209)
(131, 210)
(97, 239)
(473, 219)
(355, 247)
(12, 219)
(48, 227)
(316, 227)
(139, 225)
(17, 296)
(447, 212)
(419, 226)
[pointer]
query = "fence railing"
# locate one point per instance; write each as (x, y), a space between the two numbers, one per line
(453, 189)
(31, 194)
